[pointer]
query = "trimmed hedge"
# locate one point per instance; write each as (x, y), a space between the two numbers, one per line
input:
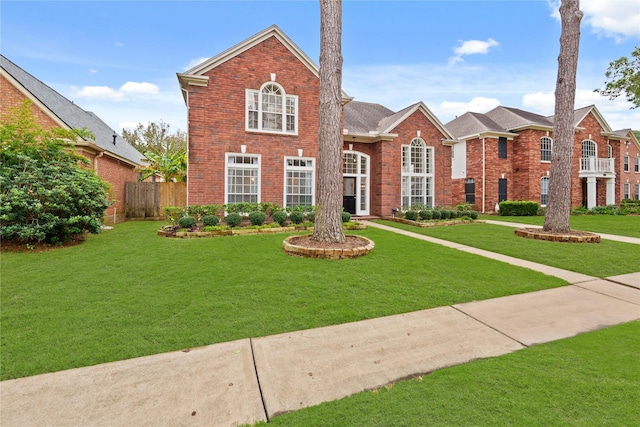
(518, 208)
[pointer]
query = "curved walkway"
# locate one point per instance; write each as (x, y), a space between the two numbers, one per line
(251, 380)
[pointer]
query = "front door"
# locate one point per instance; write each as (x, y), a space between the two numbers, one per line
(349, 194)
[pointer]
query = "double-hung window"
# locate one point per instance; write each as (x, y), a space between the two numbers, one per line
(636, 164)
(299, 181)
(625, 162)
(626, 190)
(544, 190)
(242, 178)
(502, 147)
(270, 109)
(417, 174)
(545, 149)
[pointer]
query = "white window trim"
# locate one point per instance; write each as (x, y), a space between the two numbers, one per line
(595, 148)
(249, 94)
(550, 149)
(429, 176)
(226, 173)
(300, 168)
(359, 176)
(544, 178)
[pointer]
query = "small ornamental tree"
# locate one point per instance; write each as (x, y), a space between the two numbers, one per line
(47, 192)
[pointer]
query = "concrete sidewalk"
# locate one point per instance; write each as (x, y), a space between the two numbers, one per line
(252, 380)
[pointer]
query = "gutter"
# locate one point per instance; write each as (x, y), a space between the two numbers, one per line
(484, 174)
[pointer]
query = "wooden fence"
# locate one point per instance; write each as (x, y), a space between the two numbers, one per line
(148, 199)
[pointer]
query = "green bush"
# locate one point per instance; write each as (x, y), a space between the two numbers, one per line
(280, 217)
(311, 217)
(196, 211)
(411, 215)
(233, 219)
(518, 208)
(629, 206)
(257, 218)
(174, 213)
(473, 215)
(436, 214)
(187, 222)
(47, 193)
(346, 216)
(605, 210)
(297, 217)
(211, 210)
(210, 221)
(425, 215)
(445, 214)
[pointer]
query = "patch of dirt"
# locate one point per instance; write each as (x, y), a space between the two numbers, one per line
(19, 246)
(350, 242)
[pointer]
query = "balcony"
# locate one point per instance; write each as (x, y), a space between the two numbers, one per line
(594, 166)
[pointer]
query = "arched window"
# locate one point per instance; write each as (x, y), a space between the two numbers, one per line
(417, 174)
(271, 110)
(544, 190)
(589, 148)
(545, 148)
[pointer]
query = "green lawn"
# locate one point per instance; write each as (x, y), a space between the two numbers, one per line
(589, 380)
(607, 258)
(128, 292)
(627, 225)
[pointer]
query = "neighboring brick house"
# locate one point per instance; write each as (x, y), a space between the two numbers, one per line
(505, 154)
(253, 136)
(113, 158)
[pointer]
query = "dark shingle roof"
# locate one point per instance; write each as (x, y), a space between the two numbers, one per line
(364, 117)
(71, 114)
(472, 124)
(513, 118)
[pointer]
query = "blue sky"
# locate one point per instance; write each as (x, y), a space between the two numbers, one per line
(119, 59)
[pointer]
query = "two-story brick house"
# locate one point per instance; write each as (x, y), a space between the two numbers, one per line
(506, 154)
(112, 158)
(253, 135)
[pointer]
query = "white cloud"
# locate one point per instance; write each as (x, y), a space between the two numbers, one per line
(472, 47)
(126, 91)
(195, 62)
(477, 104)
(98, 92)
(139, 88)
(93, 71)
(618, 19)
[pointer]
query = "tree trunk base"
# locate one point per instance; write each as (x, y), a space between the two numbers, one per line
(306, 246)
(571, 236)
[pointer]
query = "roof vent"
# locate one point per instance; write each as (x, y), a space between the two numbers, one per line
(114, 138)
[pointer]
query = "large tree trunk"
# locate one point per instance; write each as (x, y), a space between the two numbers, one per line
(559, 202)
(328, 223)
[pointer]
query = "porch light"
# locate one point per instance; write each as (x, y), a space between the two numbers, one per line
(350, 147)
(300, 151)
(243, 149)
(418, 134)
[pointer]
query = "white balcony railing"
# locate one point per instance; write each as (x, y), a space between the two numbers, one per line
(596, 165)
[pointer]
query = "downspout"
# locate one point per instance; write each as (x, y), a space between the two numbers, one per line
(484, 174)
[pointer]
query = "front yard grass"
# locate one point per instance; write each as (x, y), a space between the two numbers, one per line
(588, 380)
(607, 258)
(622, 225)
(128, 292)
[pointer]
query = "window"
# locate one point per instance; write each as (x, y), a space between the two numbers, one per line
(637, 192)
(609, 151)
(636, 164)
(544, 190)
(272, 110)
(589, 148)
(417, 174)
(242, 178)
(502, 189)
(626, 163)
(299, 175)
(470, 191)
(502, 147)
(545, 149)
(627, 191)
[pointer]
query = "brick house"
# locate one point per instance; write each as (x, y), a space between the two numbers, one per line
(506, 154)
(112, 158)
(253, 132)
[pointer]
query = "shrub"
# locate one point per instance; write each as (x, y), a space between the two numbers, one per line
(346, 217)
(445, 214)
(280, 217)
(297, 217)
(464, 207)
(518, 208)
(436, 214)
(48, 194)
(629, 206)
(411, 215)
(605, 210)
(473, 215)
(311, 217)
(425, 215)
(233, 219)
(210, 221)
(257, 218)
(211, 210)
(187, 222)
(174, 213)
(196, 211)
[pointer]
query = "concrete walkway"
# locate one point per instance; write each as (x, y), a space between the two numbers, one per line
(252, 380)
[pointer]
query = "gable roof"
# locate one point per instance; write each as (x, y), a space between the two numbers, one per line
(514, 119)
(369, 121)
(69, 115)
(476, 125)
